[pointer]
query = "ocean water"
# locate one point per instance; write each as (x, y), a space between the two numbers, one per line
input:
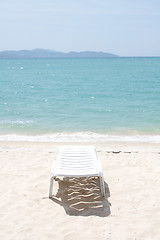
(80, 99)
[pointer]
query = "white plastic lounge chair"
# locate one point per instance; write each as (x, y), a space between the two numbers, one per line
(76, 161)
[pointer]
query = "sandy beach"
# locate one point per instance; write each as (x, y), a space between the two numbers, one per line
(129, 211)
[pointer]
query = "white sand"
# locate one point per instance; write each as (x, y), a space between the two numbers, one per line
(130, 210)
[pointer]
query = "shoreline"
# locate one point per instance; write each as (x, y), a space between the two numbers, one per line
(78, 137)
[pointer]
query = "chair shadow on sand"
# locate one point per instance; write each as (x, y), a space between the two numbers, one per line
(82, 197)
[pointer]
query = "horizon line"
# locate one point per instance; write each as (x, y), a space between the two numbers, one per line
(95, 51)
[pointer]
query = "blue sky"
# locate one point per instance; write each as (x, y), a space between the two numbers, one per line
(123, 27)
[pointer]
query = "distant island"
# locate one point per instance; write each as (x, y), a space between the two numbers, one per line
(45, 53)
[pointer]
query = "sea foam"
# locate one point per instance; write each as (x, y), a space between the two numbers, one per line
(81, 137)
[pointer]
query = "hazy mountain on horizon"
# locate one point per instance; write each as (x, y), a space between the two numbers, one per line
(46, 53)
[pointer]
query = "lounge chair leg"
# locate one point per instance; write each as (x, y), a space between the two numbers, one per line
(51, 187)
(102, 186)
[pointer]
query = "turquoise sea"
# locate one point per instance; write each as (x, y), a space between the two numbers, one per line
(80, 99)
